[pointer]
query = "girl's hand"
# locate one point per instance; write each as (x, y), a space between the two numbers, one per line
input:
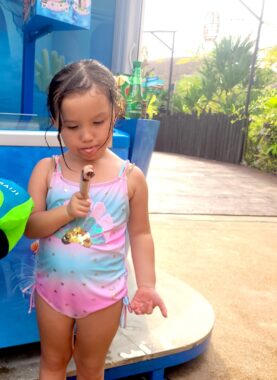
(78, 206)
(145, 300)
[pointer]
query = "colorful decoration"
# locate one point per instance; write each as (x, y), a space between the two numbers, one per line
(58, 13)
(151, 89)
(55, 5)
(15, 208)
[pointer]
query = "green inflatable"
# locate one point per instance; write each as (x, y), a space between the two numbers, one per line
(15, 208)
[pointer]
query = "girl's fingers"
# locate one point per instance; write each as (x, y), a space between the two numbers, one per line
(149, 309)
(143, 308)
(163, 309)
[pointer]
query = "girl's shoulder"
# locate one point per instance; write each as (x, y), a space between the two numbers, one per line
(44, 168)
(46, 164)
(125, 167)
(113, 163)
(136, 180)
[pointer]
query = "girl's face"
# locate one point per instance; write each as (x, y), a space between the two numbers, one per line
(87, 119)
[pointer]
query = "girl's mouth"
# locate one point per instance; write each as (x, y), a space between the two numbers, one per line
(91, 149)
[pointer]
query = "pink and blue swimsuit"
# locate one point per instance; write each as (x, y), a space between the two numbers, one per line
(81, 268)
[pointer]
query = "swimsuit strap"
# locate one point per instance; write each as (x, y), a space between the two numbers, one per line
(123, 315)
(58, 168)
(125, 169)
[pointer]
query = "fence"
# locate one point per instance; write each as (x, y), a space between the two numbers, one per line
(211, 136)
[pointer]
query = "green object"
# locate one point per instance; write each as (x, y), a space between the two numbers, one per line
(1, 198)
(15, 208)
(49, 66)
(134, 101)
(123, 83)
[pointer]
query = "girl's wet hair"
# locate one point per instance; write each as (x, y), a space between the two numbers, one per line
(80, 77)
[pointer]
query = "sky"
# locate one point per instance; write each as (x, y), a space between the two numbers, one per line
(188, 17)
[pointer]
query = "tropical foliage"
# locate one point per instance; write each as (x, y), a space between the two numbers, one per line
(221, 87)
(262, 138)
(222, 82)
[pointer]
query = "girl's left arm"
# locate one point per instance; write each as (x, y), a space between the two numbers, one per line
(142, 247)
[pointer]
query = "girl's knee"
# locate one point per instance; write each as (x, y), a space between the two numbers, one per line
(88, 369)
(55, 361)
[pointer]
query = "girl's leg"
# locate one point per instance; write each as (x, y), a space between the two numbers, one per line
(93, 339)
(56, 331)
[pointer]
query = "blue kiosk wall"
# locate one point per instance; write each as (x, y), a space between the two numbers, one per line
(143, 134)
(95, 43)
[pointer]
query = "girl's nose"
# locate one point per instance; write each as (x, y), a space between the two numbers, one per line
(86, 134)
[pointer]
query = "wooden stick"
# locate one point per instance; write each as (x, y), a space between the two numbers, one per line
(86, 175)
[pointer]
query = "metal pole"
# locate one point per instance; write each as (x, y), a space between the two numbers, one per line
(171, 48)
(251, 80)
(168, 106)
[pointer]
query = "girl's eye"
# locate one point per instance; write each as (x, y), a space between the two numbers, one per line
(98, 122)
(71, 126)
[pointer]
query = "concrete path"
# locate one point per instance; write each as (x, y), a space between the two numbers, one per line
(215, 228)
(188, 185)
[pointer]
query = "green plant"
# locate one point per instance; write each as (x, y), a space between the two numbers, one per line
(262, 137)
(224, 75)
(221, 85)
(188, 94)
(270, 59)
(45, 71)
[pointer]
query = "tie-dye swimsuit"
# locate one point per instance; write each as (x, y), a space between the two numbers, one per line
(81, 268)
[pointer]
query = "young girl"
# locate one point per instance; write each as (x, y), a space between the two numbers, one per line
(81, 276)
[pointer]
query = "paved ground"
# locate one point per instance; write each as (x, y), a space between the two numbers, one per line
(215, 227)
(187, 185)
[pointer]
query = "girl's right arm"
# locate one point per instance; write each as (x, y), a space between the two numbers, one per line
(42, 222)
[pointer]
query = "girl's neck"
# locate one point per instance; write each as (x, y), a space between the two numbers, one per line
(105, 168)
(76, 164)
